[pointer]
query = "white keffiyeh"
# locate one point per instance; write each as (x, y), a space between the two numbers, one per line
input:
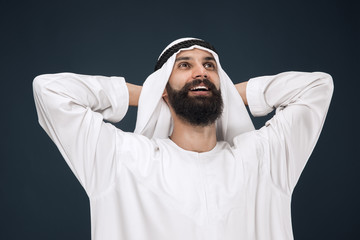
(154, 118)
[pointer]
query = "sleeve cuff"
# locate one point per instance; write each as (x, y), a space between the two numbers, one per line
(120, 103)
(255, 94)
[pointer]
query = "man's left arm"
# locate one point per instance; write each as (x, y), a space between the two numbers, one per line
(301, 101)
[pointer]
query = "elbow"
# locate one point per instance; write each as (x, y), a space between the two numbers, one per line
(39, 83)
(43, 83)
(326, 81)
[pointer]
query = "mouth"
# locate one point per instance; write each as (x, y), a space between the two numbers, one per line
(199, 88)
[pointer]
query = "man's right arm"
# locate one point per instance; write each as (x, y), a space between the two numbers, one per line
(71, 109)
(134, 94)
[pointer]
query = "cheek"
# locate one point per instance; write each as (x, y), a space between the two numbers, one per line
(216, 80)
(177, 81)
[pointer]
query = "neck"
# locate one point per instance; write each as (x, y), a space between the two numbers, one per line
(193, 138)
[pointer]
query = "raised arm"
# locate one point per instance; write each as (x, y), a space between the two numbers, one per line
(241, 88)
(71, 109)
(134, 94)
(301, 101)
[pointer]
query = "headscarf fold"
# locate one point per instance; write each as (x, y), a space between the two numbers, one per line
(154, 118)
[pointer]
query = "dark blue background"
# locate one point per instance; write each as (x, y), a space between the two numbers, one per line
(41, 199)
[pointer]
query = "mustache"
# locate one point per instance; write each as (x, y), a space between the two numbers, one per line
(196, 82)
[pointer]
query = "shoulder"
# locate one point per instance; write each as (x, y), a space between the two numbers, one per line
(128, 141)
(252, 143)
(249, 139)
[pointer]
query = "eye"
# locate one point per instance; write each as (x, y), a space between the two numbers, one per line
(184, 65)
(209, 65)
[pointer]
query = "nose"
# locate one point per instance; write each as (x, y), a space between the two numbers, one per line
(199, 71)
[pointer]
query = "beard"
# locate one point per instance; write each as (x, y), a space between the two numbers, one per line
(196, 110)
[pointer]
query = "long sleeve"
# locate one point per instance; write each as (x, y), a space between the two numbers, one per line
(301, 101)
(71, 109)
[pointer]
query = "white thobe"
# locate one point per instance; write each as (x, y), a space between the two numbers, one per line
(142, 188)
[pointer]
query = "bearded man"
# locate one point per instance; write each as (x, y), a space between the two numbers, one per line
(195, 168)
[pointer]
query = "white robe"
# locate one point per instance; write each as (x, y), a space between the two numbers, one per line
(151, 189)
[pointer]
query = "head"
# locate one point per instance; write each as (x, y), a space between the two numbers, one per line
(193, 90)
(154, 118)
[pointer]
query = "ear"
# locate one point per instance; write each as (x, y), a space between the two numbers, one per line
(165, 96)
(164, 93)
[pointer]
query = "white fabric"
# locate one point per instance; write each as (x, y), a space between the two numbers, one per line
(147, 189)
(154, 118)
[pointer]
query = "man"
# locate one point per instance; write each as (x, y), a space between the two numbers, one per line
(194, 168)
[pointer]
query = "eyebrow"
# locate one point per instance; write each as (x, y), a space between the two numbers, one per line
(189, 58)
(182, 58)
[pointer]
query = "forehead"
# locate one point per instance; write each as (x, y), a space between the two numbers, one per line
(198, 53)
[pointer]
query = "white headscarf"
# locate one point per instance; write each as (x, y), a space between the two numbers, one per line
(154, 118)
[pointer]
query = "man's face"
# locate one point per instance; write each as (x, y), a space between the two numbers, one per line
(193, 90)
(194, 64)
